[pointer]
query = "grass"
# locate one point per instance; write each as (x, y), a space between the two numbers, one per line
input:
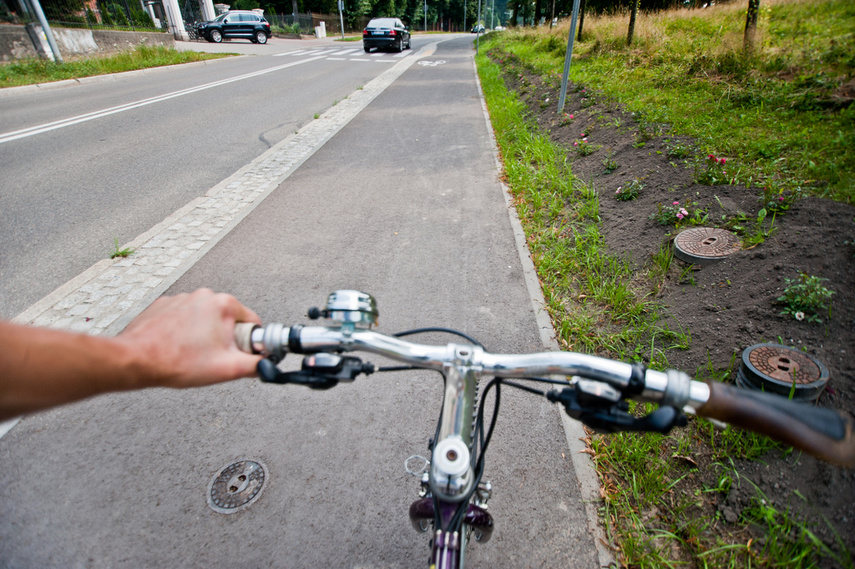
(684, 70)
(775, 114)
(126, 252)
(34, 71)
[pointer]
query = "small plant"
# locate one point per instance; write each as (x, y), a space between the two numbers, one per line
(584, 148)
(679, 150)
(715, 172)
(670, 214)
(565, 119)
(805, 297)
(609, 163)
(317, 115)
(544, 103)
(126, 252)
(629, 192)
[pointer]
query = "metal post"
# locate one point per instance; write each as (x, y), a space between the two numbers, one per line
(568, 56)
(40, 15)
(478, 29)
(425, 16)
(341, 16)
(464, 15)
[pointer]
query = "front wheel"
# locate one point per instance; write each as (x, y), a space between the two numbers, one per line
(260, 37)
(216, 36)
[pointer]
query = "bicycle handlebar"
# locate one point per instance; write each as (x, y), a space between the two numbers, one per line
(823, 433)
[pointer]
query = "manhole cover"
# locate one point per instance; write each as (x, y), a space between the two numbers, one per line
(776, 368)
(705, 245)
(236, 486)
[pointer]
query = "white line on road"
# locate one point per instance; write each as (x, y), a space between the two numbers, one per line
(23, 133)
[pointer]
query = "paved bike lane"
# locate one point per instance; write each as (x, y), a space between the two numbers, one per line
(405, 203)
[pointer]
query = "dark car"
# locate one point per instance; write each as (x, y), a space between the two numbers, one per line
(235, 24)
(477, 29)
(386, 33)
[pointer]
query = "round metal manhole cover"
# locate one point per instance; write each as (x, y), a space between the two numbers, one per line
(236, 486)
(781, 369)
(705, 245)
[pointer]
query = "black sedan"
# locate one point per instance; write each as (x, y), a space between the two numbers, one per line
(386, 33)
(235, 24)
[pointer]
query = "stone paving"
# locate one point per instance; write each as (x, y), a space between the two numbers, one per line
(108, 295)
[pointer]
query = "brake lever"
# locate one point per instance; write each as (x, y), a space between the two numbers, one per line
(606, 415)
(319, 371)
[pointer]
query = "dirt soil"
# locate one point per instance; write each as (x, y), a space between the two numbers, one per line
(731, 304)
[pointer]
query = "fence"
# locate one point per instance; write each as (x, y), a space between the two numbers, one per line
(119, 15)
(306, 23)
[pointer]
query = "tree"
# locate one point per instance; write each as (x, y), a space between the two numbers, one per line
(750, 26)
(632, 17)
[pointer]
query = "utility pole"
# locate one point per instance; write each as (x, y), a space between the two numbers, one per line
(40, 15)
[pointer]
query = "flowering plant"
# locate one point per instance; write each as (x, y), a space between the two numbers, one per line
(629, 192)
(715, 172)
(805, 297)
(671, 214)
(585, 148)
(565, 119)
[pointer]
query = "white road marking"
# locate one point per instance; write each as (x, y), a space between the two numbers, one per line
(32, 131)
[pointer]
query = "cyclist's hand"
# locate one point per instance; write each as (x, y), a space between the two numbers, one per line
(188, 340)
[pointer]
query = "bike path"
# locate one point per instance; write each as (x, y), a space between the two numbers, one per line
(404, 203)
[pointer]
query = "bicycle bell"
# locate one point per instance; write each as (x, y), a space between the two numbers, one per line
(349, 306)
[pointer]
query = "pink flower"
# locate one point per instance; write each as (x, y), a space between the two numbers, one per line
(679, 216)
(676, 203)
(683, 211)
(722, 161)
(575, 144)
(711, 157)
(571, 117)
(780, 198)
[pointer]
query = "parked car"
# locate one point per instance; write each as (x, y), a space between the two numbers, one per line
(386, 33)
(477, 29)
(235, 24)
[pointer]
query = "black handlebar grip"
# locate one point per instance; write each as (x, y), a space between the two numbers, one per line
(823, 433)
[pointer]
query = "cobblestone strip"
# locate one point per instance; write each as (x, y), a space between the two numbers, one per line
(107, 296)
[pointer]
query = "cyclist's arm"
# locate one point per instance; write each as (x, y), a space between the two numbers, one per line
(181, 341)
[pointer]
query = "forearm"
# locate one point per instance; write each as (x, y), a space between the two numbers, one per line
(41, 368)
(181, 341)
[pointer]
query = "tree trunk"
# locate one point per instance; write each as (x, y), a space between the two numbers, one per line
(632, 16)
(581, 20)
(751, 26)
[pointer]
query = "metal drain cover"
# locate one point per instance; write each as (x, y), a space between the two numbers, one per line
(705, 245)
(776, 368)
(236, 486)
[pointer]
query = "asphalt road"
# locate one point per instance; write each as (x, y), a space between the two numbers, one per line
(69, 193)
(404, 203)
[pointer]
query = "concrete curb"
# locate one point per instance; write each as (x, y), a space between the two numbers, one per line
(28, 89)
(586, 474)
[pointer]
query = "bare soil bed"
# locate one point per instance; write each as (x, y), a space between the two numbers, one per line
(730, 305)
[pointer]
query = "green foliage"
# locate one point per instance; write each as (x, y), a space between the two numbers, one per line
(805, 297)
(630, 191)
(32, 71)
(245, 5)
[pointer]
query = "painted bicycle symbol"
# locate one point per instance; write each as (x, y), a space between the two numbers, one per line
(432, 63)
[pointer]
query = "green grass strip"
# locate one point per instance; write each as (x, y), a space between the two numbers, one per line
(34, 71)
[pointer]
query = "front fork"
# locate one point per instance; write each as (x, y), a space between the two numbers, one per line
(448, 548)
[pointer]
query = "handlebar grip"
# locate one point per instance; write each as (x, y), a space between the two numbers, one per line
(823, 433)
(243, 336)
